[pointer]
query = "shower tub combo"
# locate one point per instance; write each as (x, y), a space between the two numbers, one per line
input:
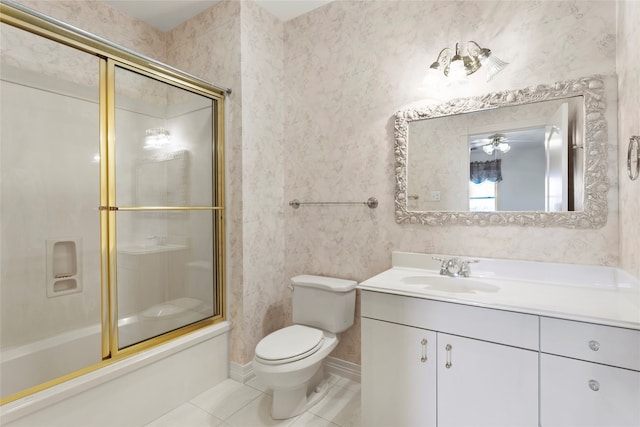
(141, 387)
(111, 296)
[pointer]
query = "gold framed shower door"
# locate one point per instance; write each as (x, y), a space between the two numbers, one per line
(112, 56)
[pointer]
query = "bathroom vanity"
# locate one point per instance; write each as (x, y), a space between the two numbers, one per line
(514, 344)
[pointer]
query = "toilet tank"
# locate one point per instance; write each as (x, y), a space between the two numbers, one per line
(322, 302)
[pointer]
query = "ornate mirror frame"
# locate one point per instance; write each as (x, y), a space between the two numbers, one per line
(596, 182)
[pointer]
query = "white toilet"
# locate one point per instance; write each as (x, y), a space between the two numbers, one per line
(289, 361)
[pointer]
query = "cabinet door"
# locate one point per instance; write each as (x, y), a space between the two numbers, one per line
(398, 375)
(486, 384)
(574, 393)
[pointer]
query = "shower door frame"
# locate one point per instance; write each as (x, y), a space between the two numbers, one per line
(110, 56)
(110, 208)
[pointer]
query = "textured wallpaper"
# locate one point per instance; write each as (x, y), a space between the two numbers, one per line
(239, 45)
(107, 22)
(264, 286)
(311, 117)
(350, 65)
(209, 45)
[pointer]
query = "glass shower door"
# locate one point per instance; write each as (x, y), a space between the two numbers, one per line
(111, 212)
(50, 292)
(165, 219)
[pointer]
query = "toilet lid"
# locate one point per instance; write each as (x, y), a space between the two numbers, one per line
(288, 344)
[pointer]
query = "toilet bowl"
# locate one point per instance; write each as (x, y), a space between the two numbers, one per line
(290, 361)
(297, 380)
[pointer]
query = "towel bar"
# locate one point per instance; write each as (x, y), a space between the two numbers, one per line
(371, 202)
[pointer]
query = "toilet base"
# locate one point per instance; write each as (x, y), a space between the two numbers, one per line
(290, 402)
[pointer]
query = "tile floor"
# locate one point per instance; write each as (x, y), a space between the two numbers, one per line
(233, 404)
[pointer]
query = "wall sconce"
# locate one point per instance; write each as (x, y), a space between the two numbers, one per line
(156, 138)
(458, 67)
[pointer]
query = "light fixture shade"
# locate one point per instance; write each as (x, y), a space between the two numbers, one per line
(493, 65)
(457, 70)
(436, 66)
(433, 78)
(502, 147)
(458, 67)
(471, 64)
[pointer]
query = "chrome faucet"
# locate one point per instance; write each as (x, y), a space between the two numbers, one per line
(455, 267)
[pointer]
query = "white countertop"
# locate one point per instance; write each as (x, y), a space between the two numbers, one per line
(595, 294)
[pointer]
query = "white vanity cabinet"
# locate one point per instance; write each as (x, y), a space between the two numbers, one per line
(398, 375)
(589, 375)
(479, 367)
(516, 344)
(483, 384)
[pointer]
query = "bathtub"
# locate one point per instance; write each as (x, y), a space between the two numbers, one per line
(35, 363)
(28, 365)
(130, 392)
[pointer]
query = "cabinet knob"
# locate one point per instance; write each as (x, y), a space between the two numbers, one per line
(594, 345)
(594, 385)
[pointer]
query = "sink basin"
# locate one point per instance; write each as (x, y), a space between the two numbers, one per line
(450, 284)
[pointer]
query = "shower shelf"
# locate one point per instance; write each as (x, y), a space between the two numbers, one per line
(63, 266)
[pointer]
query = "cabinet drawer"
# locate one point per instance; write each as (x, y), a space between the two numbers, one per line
(574, 393)
(503, 327)
(587, 341)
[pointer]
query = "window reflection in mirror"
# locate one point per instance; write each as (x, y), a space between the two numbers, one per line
(482, 196)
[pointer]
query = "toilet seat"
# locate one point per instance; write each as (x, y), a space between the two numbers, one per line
(289, 344)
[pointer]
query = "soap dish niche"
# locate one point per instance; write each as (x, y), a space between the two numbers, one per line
(64, 266)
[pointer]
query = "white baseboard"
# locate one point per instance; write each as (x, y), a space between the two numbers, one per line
(333, 365)
(343, 368)
(241, 373)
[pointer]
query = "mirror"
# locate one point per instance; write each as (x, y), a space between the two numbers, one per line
(506, 158)
(519, 158)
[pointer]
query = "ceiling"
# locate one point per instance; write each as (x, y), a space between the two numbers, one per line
(167, 14)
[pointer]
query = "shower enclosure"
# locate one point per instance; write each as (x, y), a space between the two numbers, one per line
(111, 194)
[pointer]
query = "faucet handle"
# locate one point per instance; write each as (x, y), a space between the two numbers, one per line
(464, 266)
(443, 266)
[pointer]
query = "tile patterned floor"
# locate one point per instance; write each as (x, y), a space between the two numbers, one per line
(233, 404)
